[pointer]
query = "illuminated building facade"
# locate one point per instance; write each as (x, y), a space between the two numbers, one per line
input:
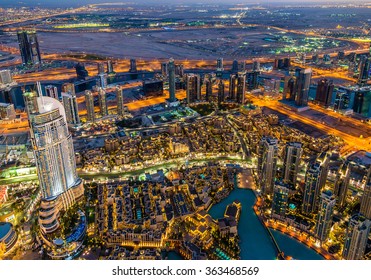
(356, 237)
(324, 216)
(171, 73)
(220, 91)
(120, 101)
(280, 199)
(102, 98)
(293, 152)
(89, 101)
(29, 47)
(193, 88)
(52, 91)
(302, 87)
(325, 89)
(267, 163)
(366, 198)
(311, 188)
(55, 159)
(71, 108)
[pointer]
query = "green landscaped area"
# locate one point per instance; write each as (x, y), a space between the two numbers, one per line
(203, 109)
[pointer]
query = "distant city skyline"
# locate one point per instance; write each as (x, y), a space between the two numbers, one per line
(66, 3)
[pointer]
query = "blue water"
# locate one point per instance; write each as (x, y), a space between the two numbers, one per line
(255, 241)
(293, 248)
(174, 256)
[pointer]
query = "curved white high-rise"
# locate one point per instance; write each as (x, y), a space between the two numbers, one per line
(55, 158)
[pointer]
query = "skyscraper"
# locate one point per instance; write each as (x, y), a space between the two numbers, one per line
(232, 86)
(256, 66)
(179, 70)
(55, 159)
(120, 101)
(252, 79)
(110, 69)
(267, 163)
(219, 65)
(302, 87)
(324, 92)
(293, 152)
(323, 160)
(164, 69)
(356, 237)
(311, 189)
(100, 68)
(193, 88)
(81, 71)
(31, 102)
(71, 108)
(234, 66)
(366, 197)
(289, 87)
(220, 91)
(280, 198)
(133, 66)
(102, 80)
(29, 47)
(362, 101)
(241, 88)
(89, 102)
(102, 98)
(324, 216)
(52, 91)
(342, 183)
(209, 89)
(171, 70)
(364, 70)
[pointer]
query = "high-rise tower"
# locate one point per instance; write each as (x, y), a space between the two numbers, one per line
(342, 184)
(312, 188)
(55, 158)
(71, 108)
(293, 152)
(209, 89)
(267, 163)
(364, 70)
(324, 92)
(89, 101)
(220, 91)
(52, 91)
(280, 198)
(193, 87)
(366, 197)
(133, 66)
(356, 237)
(29, 47)
(171, 70)
(120, 101)
(102, 98)
(324, 216)
(232, 86)
(241, 88)
(302, 87)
